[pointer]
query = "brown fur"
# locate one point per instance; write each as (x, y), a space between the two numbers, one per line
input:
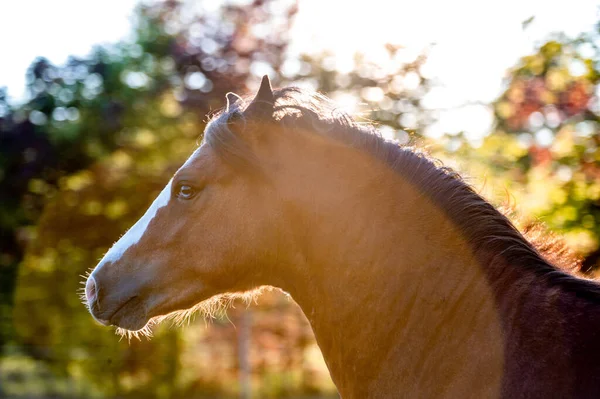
(415, 285)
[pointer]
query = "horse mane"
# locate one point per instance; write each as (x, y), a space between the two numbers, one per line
(488, 230)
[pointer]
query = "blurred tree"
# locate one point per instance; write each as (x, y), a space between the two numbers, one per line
(182, 61)
(551, 110)
(544, 148)
(387, 90)
(139, 106)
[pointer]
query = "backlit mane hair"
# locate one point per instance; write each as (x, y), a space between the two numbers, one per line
(489, 231)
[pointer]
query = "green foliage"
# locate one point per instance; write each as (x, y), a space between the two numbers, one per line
(79, 162)
(550, 111)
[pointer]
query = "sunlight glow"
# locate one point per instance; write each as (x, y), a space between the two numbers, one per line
(474, 42)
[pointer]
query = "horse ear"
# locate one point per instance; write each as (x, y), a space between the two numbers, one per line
(263, 102)
(232, 99)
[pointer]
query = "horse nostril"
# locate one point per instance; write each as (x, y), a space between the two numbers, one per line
(90, 290)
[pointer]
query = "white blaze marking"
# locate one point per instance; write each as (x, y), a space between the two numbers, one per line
(192, 157)
(135, 233)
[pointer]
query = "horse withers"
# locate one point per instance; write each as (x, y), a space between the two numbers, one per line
(414, 285)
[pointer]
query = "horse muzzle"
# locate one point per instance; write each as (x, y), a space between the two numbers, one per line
(121, 309)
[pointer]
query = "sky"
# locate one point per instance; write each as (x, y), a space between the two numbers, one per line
(475, 41)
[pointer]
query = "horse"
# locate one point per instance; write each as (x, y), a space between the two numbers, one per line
(413, 283)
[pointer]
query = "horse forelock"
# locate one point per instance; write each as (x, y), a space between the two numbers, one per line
(488, 230)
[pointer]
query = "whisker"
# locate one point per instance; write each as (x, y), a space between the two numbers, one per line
(209, 309)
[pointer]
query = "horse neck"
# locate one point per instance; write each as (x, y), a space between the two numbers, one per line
(395, 297)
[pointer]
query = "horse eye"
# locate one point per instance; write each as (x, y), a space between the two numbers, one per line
(185, 192)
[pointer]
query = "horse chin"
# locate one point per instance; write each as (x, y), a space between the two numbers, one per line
(132, 324)
(131, 317)
(138, 316)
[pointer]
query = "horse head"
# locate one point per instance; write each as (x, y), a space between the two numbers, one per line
(213, 229)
